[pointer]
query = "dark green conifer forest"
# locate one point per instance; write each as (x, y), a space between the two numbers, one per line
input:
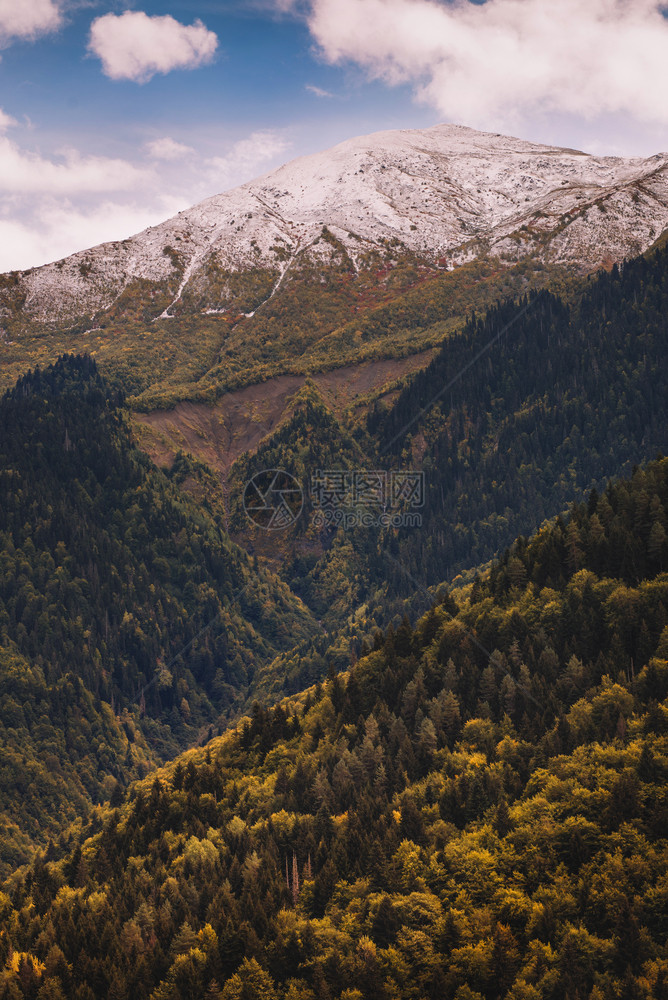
(564, 395)
(107, 572)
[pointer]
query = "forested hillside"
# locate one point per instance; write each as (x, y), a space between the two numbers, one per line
(128, 620)
(538, 401)
(476, 809)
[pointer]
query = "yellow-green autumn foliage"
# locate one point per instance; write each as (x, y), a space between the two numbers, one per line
(476, 809)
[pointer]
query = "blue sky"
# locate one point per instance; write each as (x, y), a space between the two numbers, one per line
(116, 115)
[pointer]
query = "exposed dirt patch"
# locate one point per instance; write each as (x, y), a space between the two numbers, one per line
(218, 434)
(342, 386)
(239, 420)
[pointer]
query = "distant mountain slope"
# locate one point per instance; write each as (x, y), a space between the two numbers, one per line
(258, 276)
(475, 810)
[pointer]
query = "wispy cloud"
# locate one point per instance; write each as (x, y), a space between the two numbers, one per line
(318, 91)
(23, 172)
(167, 148)
(6, 121)
(492, 63)
(134, 46)
(246, 158)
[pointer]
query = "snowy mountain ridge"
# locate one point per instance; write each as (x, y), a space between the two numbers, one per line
(448, 194)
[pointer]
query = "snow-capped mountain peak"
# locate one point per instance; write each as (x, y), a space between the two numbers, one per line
(447, 194)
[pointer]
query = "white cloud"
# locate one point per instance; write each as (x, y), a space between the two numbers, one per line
(54, 204)
(279, 6)
(318, 91)
(134, 46)
(168, 149)
(492, 64)
(23, 171)
(60, 228)
(28, 19)
(245, 158)
(6, 121)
